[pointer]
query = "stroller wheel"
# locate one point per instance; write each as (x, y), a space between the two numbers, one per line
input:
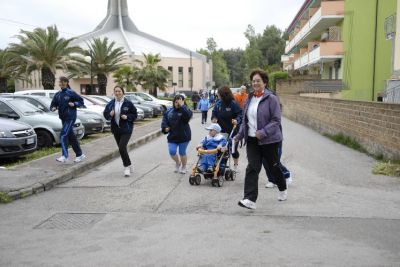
(233, 175)
(197, 179)
(220, 181)
(228, 174)
(214, 182)
(191, 180)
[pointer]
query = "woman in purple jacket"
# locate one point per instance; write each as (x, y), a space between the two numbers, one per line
(261, 129)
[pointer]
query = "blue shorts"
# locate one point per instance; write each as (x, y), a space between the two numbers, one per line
(173, 147)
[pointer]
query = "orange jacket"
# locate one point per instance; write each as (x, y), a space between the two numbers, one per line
(241, 99)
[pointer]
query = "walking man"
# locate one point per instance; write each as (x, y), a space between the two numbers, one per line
(66, 101)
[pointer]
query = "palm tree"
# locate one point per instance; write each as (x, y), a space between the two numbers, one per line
(43, 50)
(5, 69)
(106, 59)
(153, 76)
(127, 77)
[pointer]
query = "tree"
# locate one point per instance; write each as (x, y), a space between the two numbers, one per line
(234, 62)
(152, 76)
(127, 77)
(106, 59)
(272, 44)
(43, 50)
(220, 69)
(5, 70)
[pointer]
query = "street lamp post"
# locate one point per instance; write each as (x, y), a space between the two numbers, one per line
(90, 57)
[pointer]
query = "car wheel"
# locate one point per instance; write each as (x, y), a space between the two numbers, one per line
(44, 138)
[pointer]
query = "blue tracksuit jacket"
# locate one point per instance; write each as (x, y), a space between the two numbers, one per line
(61, 100)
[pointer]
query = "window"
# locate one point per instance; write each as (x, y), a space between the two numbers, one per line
(170, 77)
(5, 110)
(39, 94)
(180, 76)
(190, 77)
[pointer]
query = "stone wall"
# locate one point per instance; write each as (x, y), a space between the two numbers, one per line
(375, 125)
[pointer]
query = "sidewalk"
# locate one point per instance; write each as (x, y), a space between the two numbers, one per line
(43, 174)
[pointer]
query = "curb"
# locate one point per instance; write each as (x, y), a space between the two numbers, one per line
(76, 170)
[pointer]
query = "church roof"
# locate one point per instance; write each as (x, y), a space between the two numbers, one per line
(118, 27)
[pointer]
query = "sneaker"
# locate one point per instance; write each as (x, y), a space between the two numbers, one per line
(289, 180)
(127, 171)
(132, 168)
(245, 203)
(270, 185)
(282, 195)
(80, 158)
(62, 159)
(177, 167)
(235, 168)
(182, 169)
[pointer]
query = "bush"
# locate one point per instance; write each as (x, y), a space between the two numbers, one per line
(274, 76)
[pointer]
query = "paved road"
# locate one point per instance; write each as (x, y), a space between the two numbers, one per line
(337, 214)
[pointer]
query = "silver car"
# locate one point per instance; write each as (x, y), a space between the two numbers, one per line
(47, 126)
(16, 138)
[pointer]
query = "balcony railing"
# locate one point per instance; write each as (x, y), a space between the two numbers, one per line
(324, 50)
(327, 9)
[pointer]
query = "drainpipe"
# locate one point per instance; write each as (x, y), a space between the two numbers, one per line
(375, 45)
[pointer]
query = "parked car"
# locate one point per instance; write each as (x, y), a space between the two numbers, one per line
(16, 138)
(137, 100)
(47, 126)
(92, 121)
(148, 111)
(166, 104)
(38, 92)
(106, 99)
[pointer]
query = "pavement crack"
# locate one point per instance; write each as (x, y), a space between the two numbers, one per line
(144, 174)
(169, 193)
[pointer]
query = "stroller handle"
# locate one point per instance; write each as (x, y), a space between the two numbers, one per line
(205, 151)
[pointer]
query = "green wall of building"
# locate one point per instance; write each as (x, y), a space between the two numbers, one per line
(364, 74)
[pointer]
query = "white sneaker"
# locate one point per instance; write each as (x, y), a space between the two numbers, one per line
(245, 203)
(183, 169)
(80, 158)
(62, 159)
(127, 171)
(289, 180)
(270, 185)
(235, 168)
(177, 167)
(282, 195)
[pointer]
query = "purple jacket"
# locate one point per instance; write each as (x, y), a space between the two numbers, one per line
(268, 119)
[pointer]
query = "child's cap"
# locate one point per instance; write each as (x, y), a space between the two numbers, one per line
(214, 126)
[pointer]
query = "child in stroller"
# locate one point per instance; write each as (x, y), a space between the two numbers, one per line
(214, 140)
(213, 161)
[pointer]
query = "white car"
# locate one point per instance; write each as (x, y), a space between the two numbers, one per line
(166, 104)
(38, 92)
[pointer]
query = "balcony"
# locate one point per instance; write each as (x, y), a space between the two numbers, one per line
(323, 52)
(329, 14)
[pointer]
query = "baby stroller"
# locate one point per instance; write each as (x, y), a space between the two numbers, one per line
(221, 170)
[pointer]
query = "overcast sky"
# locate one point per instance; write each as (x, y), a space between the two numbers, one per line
(179, 21)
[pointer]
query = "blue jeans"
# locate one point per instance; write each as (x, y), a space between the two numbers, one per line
(67, 136)
(173, 148)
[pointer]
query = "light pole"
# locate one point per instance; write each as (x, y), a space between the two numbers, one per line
(90, 57)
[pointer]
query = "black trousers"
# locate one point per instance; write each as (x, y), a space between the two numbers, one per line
(204, 115)
(255, 155)
(122, 142)
(194, 105)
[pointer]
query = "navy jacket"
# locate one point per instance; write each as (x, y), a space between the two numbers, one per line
(224, 114)
(61, 100)
(177, 120)
(128, 109)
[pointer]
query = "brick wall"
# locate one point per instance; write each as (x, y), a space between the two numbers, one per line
(376, 126)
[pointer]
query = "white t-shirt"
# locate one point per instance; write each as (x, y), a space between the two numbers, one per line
(252, 115)
(117, 110)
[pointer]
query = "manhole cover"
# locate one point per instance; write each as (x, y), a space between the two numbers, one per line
(70, 221)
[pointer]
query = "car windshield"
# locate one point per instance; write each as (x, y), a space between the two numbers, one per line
(46, 101)
(24, 107)
(140, 98)
(101, 100)
(146, 97)
(132, 98)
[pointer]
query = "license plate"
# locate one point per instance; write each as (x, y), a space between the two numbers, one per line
(30, 141)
